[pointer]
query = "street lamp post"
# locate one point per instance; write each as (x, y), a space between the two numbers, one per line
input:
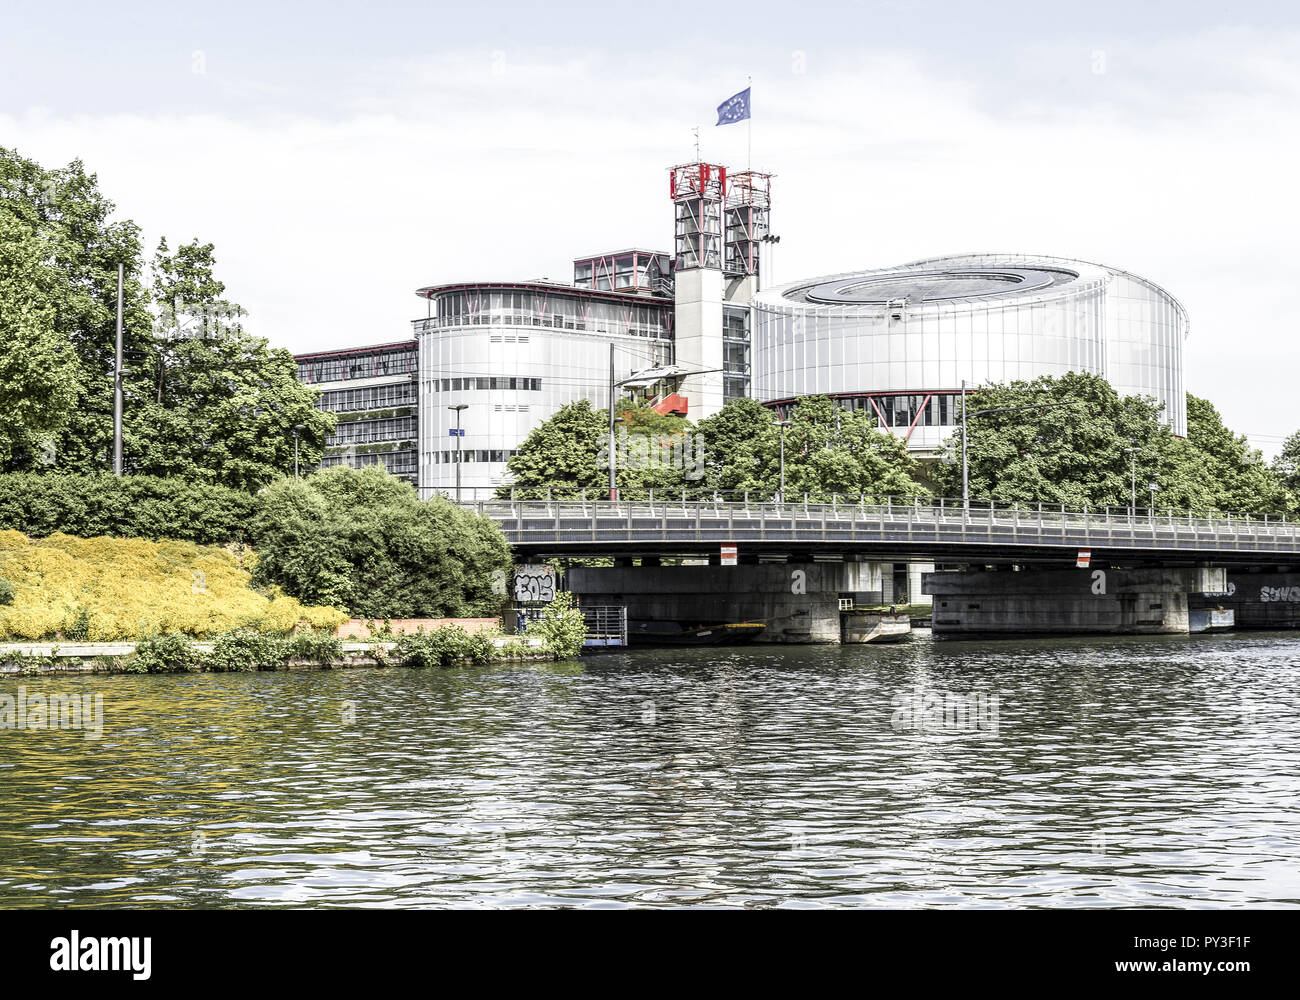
(613, 476)
(297, 432)
(783, 424)
(458, 407)
(1132, 479)
(646, 376)
(965, 479)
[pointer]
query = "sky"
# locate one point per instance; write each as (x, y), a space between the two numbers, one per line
(342, 155)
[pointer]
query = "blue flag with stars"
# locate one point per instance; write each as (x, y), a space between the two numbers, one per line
(734, 109)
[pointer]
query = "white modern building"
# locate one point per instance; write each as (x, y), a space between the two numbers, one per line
(899, 342)
(496, 359)
(502, 357)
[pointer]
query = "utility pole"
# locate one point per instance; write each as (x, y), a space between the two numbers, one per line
(613, 487)
(1132, 480)
(117, 383)
(965, 481)
(297, 432)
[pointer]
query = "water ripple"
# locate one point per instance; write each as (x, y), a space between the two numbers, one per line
(1156, 772)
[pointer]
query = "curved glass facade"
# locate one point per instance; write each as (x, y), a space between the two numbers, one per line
(921, 329)
(515, 354)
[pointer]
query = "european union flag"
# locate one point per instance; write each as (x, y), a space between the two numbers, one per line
(734, 109)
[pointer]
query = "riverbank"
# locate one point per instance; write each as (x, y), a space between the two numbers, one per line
(34, 659)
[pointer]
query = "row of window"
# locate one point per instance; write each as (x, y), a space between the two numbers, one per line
(550, 309)
(397, 361)
(375, 397)
(372, 431)
(493, 382)
(934, 409)
(901, 411)
(400, 463)
(475, 455)
(555, 321)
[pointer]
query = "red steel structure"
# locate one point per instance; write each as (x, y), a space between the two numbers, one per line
(698, 190)
(748, 204)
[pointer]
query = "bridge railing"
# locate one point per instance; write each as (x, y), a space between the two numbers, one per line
(671, 518)
(890, 506)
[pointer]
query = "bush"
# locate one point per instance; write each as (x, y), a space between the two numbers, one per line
(6, 592)
(246, 649)
(162, 654)
(317, 646)
(363, 540)
(78, 628)
(480, 648)
(515, 649)
(445, 646)
(150, 507)
(106, 589)
(562, 628)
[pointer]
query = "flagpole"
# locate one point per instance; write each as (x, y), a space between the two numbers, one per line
(749, 129)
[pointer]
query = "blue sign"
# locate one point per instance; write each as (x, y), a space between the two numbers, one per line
(455, 432)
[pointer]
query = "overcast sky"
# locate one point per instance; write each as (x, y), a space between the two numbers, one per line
(340, 155)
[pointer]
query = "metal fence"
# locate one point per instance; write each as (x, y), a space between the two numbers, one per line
(606, 625)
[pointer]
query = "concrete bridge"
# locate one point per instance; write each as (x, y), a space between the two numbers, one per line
(1009, 569)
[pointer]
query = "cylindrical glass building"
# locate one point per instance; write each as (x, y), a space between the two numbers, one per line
(898, 342)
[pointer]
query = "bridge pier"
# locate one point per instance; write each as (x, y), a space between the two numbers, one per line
(1258, 599)
(1068, 601)
(798, 602)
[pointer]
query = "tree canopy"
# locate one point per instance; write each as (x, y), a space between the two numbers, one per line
(202, 400)
(1075, 450)
(362, 540)
(38, 370)
(828, 451)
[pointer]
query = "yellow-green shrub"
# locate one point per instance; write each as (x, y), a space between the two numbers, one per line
(131, 587)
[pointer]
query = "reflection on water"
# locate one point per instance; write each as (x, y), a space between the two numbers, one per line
(1109, 772)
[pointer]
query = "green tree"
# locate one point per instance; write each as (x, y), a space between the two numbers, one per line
(201, 399)
(562, 627)
(562, 452)
(1077, 453)
(362, 540)
(1071, 453)
(1286, 466)
(38, 370)
(828, 451)
(839, 451)
(224, 413)
(742, 447)
(66, 211)
(568, 452)
(1218, 469)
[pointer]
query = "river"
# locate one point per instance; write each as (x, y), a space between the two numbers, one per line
(1109, 772)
